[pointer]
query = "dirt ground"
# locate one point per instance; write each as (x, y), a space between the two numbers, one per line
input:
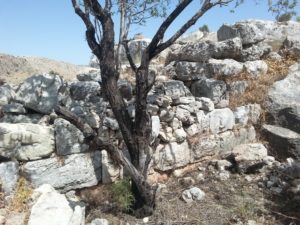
(237, 200)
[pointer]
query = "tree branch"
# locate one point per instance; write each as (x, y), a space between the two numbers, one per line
(128, 55)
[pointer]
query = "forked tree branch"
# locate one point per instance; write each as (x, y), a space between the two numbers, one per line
(128, 55)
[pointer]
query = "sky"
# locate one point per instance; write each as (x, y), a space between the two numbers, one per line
(50, 28)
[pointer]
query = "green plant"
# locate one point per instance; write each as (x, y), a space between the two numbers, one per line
(122, 194)
(52, 72)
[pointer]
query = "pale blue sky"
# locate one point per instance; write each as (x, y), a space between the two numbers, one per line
(50, 28)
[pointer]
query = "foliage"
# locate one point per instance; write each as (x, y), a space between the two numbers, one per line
(204, 29)
(122, 194)
(284, 10)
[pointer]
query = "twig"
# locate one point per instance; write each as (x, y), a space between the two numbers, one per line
(289, 217)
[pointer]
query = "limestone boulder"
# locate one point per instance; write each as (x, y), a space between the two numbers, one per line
(247, 114)
(68, 138)
(26, 141)
(7, 94)
(171, 156)
(40, 92)
(52, 208)
(81, 90)
(282, 95)
(176, 89)
(249, 157)
(210, 88)
(256, 68)
(65, 173)
(284, 142)
(188, 71)
(15, 108)
(225, 67)
(291, 46)
(9, 174)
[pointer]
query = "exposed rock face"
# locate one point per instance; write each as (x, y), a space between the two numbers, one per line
(225, 67)
(83, 89)
(15, 108)
(254, 31)
(6, 94)
(248, 113)
(9, 174)
(292, 46)
(284, 94)
(69, 139)
(256, 68)
(110, 171)
(203, 51)
(26, 141)
(65, 173)
(40, 92)
(53, 208)
(284, 142)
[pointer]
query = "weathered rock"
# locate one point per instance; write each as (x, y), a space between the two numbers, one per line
(216, 121)
(248, 32)
(283, 94)
(27, 118)
(192, 194)
(110, 171)
(254, 52)
(69, 139)
(224, 67)
(237, 87)
(171, 156)
(180, 135)
(248, 113)
(91, 76)
(249, 157)
(291, 46)
(210, 88)
(253, 31)
(65, 173)
(274, 56)
(256, 68)
(14, 108)
(186, 71)
(191, 37)
(9, 174)
(206, 104)
(81, 90)
(184, 116)
(155, 127)
(99, 222)
(284, 142)
(26, 141)
(222, 144)
(176, 89)
(184, 100)
(53, 208)
(6, 94)
(111, 123)
(45, 95)
(203, 51)
(289, 118)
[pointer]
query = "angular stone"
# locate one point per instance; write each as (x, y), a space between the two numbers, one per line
(187, 71)
(291, 45)
(248, 32)
(256, 68)
(65, 173)
(184, 116)
(14, 108)
(248, 113)
(9, 174)
(203, 51)
(180, 135)
(53, 208)
(81, 90)
(210, 88)
(27, 118)
(220, 143)
(110, 171)
(255, 52)
(111, 123)
(192, 194)
(99, 222)
(283, 94)
(225, 67)
(284, 142)
(249, 157)
(176, 89)
(45, 95)
(91, 76)
(7, 94)
(237, 87)
(171, 156)
(69, 139)
(155, 127)
(221, 120)
(26, 141)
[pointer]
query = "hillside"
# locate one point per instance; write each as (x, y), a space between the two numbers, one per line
(14, 69)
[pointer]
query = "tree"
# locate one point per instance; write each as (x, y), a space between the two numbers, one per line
(100, 36)
(284, 10)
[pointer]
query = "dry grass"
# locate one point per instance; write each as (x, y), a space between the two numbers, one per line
(257, 89)
(21, 196)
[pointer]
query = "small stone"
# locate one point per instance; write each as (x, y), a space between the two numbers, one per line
(276, 190)
(100, 222)
(248, 178)
(200, 177)
(146, 219)
(224, 175)
(251, 222)
(2, 220)
(186, 181)
(197, 193)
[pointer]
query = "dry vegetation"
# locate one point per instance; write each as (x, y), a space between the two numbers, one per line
(21, 196)
(257, 89)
